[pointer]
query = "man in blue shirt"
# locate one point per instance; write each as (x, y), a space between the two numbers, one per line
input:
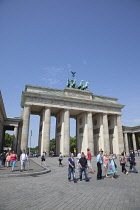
(132, 161)
(99, 165)
(71, 168)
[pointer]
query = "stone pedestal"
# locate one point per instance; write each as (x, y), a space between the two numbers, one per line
(25, 128)
(45, 143)
(126, 143)
(134, 141)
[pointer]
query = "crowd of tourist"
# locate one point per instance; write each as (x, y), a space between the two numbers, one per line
(9, 159)
(102, 159)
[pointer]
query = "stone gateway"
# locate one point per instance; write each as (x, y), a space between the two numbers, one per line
(98, 121)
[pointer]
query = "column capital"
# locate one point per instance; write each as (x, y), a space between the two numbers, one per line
(27, 106)
(65, 109)
(47, 107)
(118, 115)
(90, 112)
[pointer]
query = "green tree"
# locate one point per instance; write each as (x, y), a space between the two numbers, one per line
(72, 143)
(34, 149)
(8, 140)
(52, 145)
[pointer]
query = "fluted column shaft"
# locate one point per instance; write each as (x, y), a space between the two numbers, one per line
(134, 141)
(90, 133)
(25, 128)
(126, 143)
(66, 132)
(106, 134)
(46, 131)
(14, 146)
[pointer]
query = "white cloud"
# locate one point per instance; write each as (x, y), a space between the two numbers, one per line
(53, 75)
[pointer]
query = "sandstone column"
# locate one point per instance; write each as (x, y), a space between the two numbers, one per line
(66, 133)
(1, 136)
(15, 140)
(25, 128)
(90, 133)
(120, 134)
(19, 140)
(126, 144)
(134, 141)
(40, 135)
(46, 131)
(106, 134)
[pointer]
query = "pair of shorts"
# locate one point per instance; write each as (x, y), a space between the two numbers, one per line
(42, 159)
(89, 163)
(23, 163)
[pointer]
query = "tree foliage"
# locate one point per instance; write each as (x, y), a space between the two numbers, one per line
(72, 143)
(34, 149)
(8, 140)
(52, 145)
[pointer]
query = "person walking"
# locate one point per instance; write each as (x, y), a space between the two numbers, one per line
(3, 158)
(13, 160)
(43, 158)
(60, 159)
(105, 163)
(89, 157)
(122, 163)
(71, 169)
(83, 167)
(132, 162)
(23, 159)
(111, 166)
(8, 156)
(99, 165)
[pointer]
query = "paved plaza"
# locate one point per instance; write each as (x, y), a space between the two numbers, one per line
(53, 191)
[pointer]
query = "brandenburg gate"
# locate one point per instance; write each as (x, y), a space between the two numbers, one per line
(98, 119)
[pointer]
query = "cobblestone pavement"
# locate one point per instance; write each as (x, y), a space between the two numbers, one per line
(53, 191)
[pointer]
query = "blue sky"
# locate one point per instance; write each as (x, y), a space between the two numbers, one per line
(41, 41)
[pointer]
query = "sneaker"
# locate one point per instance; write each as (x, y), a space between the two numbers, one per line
(87, 180)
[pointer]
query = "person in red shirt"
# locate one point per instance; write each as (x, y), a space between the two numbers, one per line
(89, 157)
(13, 160)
